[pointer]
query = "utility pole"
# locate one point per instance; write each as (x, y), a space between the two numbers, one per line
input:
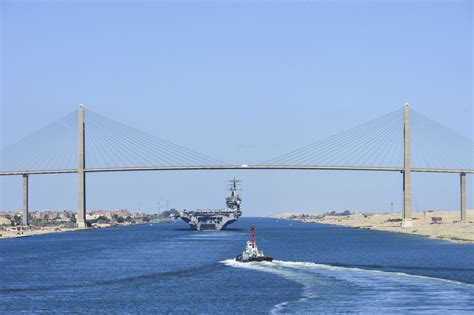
(81, 176)
(406, 215)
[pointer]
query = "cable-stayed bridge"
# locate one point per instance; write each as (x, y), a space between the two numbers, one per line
(402, 141)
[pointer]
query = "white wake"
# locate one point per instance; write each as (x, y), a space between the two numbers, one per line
(363, 290)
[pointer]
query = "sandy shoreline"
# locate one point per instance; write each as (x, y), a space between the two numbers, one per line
(51, 229)
(449, 229)
(33, 232)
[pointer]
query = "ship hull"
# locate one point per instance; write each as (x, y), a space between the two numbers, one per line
(217, 219)
(210, 221)
(257, 259)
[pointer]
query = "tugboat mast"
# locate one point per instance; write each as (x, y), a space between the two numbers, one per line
(251, 253)
(253, 236)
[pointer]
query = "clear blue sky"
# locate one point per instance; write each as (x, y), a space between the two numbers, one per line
(240, 81)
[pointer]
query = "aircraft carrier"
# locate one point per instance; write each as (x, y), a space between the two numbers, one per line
(208, 219)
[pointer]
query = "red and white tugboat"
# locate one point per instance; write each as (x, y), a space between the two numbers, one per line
(251, 252)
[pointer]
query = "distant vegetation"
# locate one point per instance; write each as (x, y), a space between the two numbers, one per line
(68, 219)
(338, 214)
(394, 220)
(320, 216)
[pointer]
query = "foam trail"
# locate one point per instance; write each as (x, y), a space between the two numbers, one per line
(346, 289)
(263, 266)
(309, 265)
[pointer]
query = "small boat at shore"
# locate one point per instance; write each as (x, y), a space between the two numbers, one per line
(251, 252)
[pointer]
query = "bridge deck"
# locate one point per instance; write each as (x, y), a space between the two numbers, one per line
(236, 167)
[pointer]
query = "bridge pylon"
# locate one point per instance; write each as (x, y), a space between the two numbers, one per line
(406, 215)
(81, 175)
(24, 210)
(463, 196)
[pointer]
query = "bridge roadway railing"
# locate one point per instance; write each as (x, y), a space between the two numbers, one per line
(236, 167)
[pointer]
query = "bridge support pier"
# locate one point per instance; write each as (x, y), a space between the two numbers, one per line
(81, 176)
(463, 196)
(406, 215)
(24, 210)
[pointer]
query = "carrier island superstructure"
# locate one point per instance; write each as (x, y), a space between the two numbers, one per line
(208, 219)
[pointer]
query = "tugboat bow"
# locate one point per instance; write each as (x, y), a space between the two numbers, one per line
(251, 252)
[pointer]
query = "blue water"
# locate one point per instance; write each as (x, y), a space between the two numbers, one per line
(166, 268)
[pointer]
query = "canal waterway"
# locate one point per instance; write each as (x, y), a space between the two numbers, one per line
(166, 268)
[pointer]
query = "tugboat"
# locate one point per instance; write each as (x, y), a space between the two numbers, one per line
(251, 252)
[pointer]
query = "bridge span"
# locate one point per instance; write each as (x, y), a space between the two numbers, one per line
(237, 167)
(380, 136)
